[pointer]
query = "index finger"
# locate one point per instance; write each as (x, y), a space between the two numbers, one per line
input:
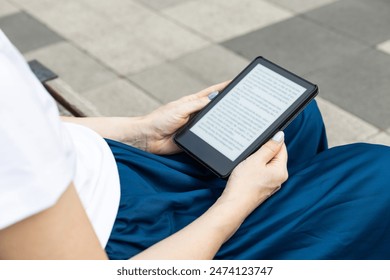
(217, 87)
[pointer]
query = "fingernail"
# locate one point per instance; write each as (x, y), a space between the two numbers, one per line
(278, 137)
(213, 94)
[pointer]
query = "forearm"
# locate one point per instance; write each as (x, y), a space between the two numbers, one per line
(129, 130)
(202, 238)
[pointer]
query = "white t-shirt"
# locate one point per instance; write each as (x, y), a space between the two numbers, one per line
(40, 155)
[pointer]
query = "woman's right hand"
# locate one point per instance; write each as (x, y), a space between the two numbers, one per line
(259, 176)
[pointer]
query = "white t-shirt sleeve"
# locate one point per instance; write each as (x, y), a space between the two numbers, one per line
(37, 160)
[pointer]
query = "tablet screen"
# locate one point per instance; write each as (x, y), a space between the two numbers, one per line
(246, 111)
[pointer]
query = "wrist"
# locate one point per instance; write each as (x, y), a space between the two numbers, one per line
(239, 204)
(136, 132)
(228, 215)
(246, 198)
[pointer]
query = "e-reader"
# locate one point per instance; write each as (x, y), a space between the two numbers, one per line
(262, 100)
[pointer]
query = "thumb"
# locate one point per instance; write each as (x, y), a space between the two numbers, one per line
(270, 149)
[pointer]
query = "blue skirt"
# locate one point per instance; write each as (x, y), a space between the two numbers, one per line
(335, 204)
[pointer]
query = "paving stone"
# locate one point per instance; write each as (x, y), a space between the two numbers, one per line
(121, 98)
(222, 20)
(167, 82)
(360, 85)
(380, 138)
(366, 20)
(100, 19)
(134, 43)
(164, 37)
(26, 33)
(36, 4)
(121, 12)
(296, 44)
(82, 27)
(75, 67)
(300, 6)
(342, 127)
(385, 47)
(123, 53)
(72, 19)
(120, 22)
(7, 8)
(162, 4)
(213, 64)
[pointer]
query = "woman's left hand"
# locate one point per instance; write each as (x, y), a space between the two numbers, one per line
(162, 124)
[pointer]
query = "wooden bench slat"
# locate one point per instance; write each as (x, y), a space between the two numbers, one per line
(73, 102)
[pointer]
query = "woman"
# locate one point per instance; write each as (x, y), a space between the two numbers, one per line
(60, 187)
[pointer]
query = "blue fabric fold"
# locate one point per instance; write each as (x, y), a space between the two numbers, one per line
(335, 204)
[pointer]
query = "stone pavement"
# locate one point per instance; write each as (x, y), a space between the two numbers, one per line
(129, 56)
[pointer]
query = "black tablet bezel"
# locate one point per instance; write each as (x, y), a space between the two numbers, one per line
(216, 161)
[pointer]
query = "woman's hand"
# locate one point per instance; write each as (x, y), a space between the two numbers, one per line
(259, 176)
(161, 125)
(153, 132)
(251, 182)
